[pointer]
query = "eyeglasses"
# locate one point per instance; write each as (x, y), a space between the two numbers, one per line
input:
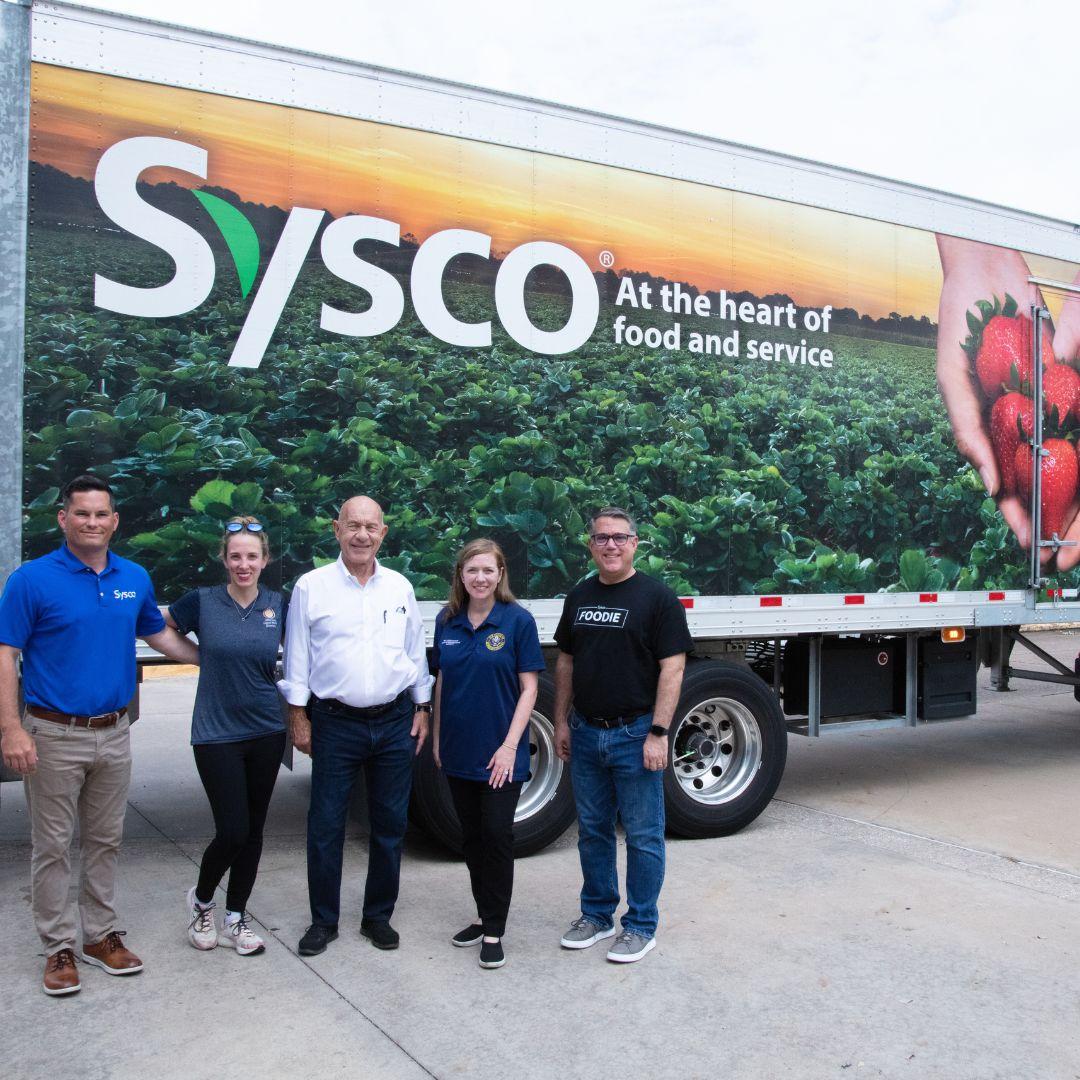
(240, 526)
(618, 539)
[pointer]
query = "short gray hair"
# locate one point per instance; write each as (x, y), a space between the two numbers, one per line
(613, 512)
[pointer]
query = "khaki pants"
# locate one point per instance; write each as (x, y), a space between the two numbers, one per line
(82, 774)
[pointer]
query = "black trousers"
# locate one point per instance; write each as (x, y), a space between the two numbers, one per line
(487, 821)
(239, 779)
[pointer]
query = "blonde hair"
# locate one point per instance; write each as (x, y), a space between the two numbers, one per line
(459, 598)
(264, 540)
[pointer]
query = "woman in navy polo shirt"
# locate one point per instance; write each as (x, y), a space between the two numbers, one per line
(487, 655)
(237, 729)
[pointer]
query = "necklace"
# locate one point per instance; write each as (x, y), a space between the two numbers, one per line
(243, 612)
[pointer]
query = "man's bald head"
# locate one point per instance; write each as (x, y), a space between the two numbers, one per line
(359, 505)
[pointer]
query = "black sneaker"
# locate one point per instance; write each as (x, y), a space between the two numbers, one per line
(491, 954)
(472, 935)
(316, 939)
(381, 934)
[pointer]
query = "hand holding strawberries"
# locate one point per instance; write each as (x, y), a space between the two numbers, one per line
(984, 372)
(1067, 346)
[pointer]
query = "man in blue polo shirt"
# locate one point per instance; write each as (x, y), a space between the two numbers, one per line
(74, 615)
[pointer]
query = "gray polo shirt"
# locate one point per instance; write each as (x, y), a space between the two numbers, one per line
(238, 648)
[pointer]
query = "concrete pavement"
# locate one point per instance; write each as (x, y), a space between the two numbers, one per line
(907, 907)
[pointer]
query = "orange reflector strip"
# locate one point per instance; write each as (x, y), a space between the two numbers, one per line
(997, 596)
(928, 598)
(953, 634)
(686, 601)
(772, 601)
(854, 599)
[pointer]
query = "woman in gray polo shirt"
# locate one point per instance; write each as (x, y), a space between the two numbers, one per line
(237, 730)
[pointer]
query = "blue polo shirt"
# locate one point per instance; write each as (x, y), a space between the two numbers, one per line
(76, 629)
(480, 687)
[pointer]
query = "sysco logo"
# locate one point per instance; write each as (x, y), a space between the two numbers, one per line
(115, 186)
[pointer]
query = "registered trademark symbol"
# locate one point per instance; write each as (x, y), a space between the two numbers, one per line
(607, 260)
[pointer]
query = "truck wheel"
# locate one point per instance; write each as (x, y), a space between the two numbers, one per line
(728, 747)
(545, 808)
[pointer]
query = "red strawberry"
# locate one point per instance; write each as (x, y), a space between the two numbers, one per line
(1008, 413)
(1060, 471)
(1006, 343)
(1002, 347)
(1061, 391)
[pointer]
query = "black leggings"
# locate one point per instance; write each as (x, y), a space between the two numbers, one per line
(487, 823)
(239, 779)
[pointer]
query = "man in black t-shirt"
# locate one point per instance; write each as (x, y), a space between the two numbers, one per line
(623, 641)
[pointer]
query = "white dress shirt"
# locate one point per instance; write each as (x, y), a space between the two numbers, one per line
(360, 644)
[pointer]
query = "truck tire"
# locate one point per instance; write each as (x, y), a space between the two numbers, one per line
(727, 747)
(545, 809)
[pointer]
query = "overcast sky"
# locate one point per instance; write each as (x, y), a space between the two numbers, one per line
(977, 97)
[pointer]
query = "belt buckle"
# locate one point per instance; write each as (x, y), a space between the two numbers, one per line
(100, 716)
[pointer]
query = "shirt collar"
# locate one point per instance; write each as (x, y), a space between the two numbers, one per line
(77, 566)
(494, 617)
(377, 572)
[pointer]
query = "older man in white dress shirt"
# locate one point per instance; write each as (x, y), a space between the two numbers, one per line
(358, 688)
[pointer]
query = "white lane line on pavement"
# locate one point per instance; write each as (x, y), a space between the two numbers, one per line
(1026, 875)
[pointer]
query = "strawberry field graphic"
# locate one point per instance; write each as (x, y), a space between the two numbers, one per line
(214, 345)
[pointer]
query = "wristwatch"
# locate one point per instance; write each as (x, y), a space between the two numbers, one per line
(657, 730)
(425, 707)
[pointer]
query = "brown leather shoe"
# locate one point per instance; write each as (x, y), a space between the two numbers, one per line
(60, 974)
(110, 955)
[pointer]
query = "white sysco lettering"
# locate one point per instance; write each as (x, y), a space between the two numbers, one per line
(115, 183)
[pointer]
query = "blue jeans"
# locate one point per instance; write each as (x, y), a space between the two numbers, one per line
(609, 776)
(340, 747)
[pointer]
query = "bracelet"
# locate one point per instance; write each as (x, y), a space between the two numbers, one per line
(508, 746)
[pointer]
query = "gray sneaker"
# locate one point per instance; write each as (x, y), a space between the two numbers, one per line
(629, 947)
(584, 932)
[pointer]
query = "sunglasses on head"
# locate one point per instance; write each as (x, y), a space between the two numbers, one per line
(240, 526)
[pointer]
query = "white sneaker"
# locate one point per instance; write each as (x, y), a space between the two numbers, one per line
(201, 931)
(236, 934)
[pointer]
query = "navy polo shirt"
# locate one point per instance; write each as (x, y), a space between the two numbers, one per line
(480, 687)
(76, 629)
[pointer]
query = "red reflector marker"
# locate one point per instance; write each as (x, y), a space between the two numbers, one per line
(928, 598)
(772, 601)
(854, 599)
(997, 596)
(686, 601)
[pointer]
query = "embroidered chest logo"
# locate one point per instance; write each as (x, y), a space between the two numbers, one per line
(495, 642)
(269, 617)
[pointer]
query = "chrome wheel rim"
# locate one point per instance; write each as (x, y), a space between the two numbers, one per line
(716, 751)
(545, 769)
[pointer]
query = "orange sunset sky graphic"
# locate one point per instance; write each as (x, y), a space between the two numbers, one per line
(689, 232)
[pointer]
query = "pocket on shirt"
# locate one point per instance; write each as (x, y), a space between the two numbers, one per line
(394, 630)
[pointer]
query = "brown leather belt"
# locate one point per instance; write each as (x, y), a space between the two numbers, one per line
(108, 719)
